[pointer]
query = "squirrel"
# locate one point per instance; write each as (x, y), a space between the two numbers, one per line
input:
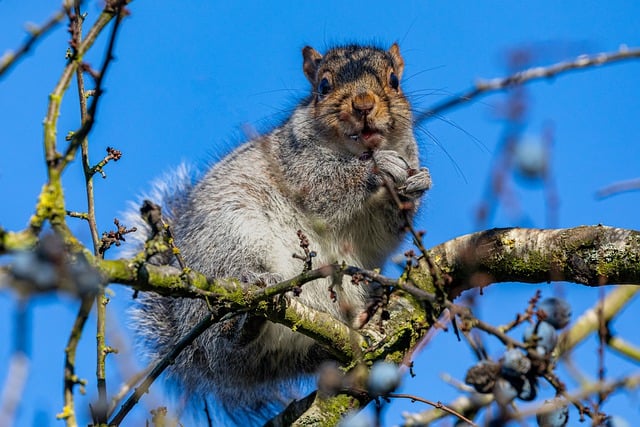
(325, 171)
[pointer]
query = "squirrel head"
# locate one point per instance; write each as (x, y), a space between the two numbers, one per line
(357, 101)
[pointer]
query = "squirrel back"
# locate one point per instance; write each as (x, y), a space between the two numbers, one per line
(322, 172)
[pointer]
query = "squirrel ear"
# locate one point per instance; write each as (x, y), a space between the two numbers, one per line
(394, 50)
(311, 59)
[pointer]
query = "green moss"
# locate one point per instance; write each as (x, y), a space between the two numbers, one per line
(612, 261)
(10, 241)
(395, 357)
(529, 266)
(333, 409)
(50, 205)
(421, 278)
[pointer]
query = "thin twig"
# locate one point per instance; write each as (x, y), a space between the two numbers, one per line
(630, 382)
(82, 100)
(484, 87)
(87, 125)
(474, 322)
(51, 204)
(126, 388)
(101, 408)
(112, 154)
(55, 98)
(603, 333)
(624, 348)
(437, 405)
(79, 215)
(405, 208)
(619, 187)
(70, 378)
(35, 33)
(161, 365)
(583, 327)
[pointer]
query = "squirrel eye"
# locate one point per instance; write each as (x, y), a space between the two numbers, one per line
(393, 81)
(324, 87)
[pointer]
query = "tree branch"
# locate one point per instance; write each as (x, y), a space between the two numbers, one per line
(591, 255)
(589, 322)
(588, 255)
(484, 87)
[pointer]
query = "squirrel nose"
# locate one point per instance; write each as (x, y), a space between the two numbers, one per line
(363, 103)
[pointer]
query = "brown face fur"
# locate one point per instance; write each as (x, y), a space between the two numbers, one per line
(357, 100)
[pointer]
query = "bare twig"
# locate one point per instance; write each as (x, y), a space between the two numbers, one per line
(467, 404)
(405, 207)
(126, 388)
(113, 237)
(619, 187)
(630, 382)
(55, 99)
(588, 322)
(78, 136)
(484, 87)
(161, 365)
(35, 33)
(79, 215)
(82, 99)
(101, 408)
(308, 256)
(70, 378)
(51, 203)
(624, 348)
(437, 405)
(112, 154)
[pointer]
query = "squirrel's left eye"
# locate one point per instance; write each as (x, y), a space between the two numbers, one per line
(393, 81)
(324, 87)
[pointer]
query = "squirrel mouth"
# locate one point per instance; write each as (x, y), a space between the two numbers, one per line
(368, 136)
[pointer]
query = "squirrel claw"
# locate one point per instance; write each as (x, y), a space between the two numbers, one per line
(417, 183)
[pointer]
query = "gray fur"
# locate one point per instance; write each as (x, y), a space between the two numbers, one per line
(240, 220)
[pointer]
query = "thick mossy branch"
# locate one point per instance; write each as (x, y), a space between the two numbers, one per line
(595, 255)
(588, 255)
(169, 281)
(336, 337)
(230, 293)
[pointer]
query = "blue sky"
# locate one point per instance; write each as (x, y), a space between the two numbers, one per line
(188, 76)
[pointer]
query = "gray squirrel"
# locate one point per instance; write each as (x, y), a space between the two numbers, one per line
(322, 172)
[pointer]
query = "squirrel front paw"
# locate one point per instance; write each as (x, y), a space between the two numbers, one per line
(417, 183)
(390, 163)
(409, 182)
